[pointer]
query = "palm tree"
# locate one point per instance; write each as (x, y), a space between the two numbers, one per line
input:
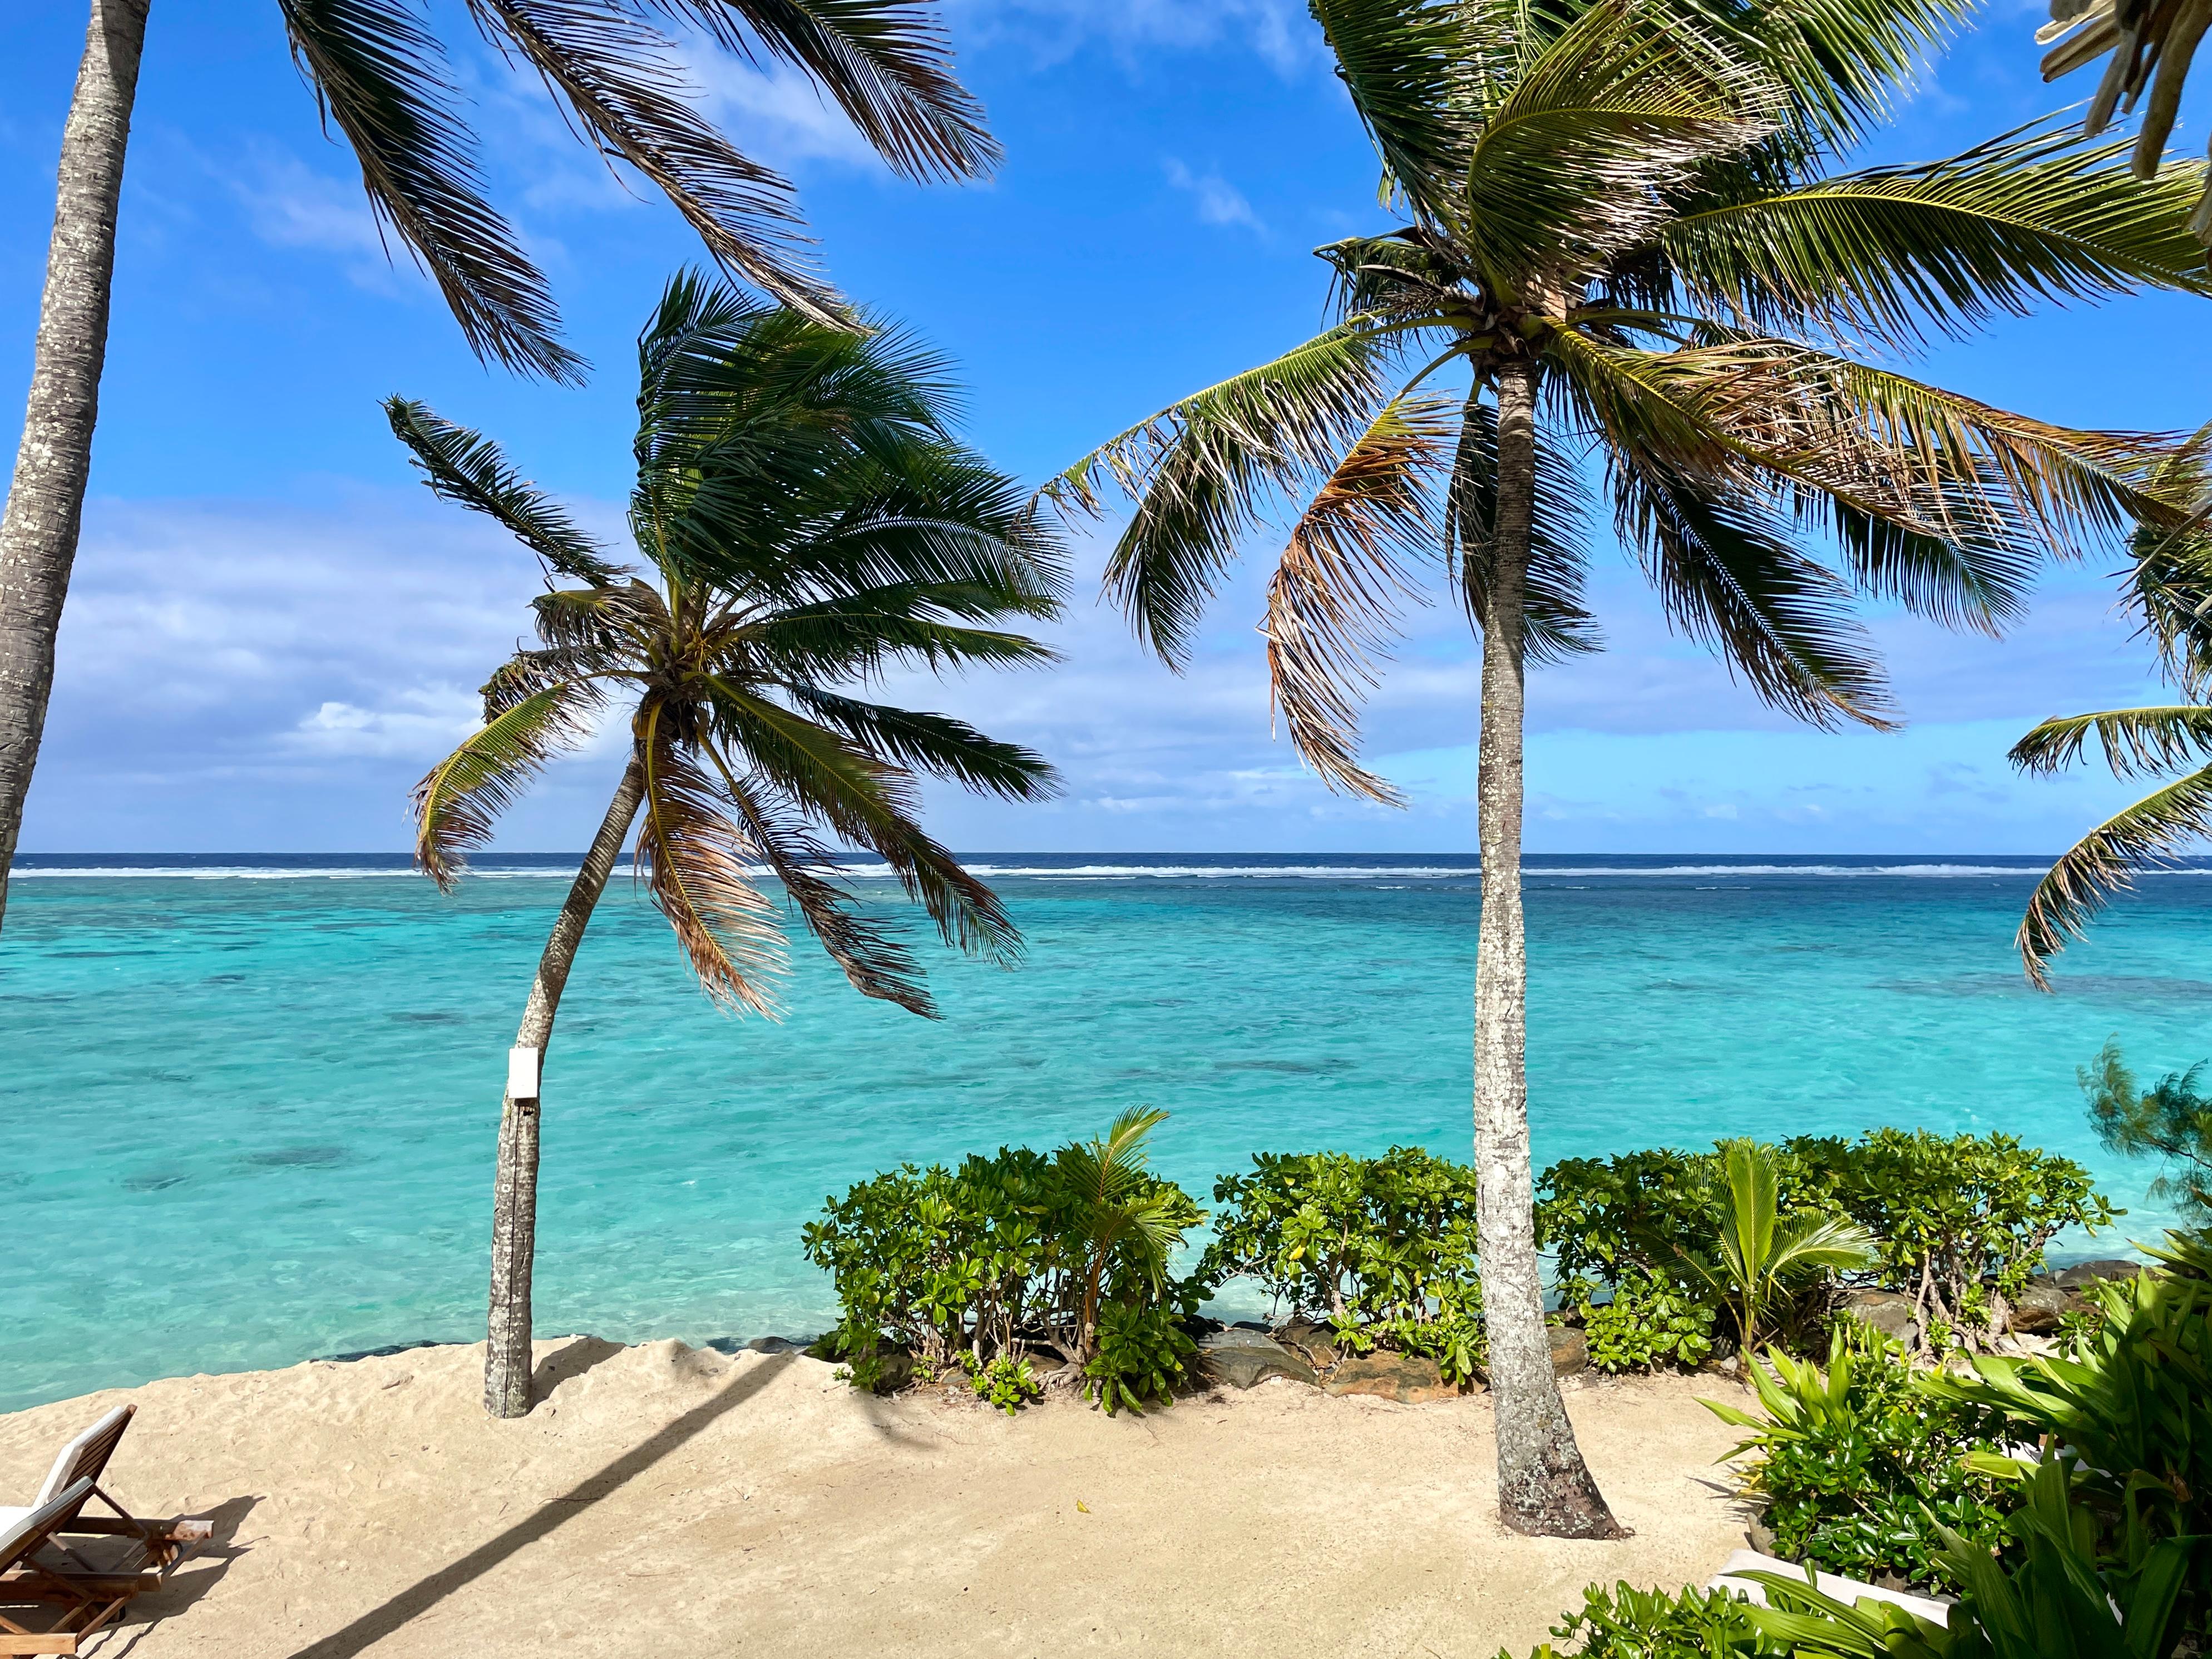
(806, 524)
(2169, 587)
(382, 79)
(1620, 241)
(1757, 1259)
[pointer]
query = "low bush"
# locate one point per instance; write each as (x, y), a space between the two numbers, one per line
(978, 1264)
(2133, 1405)
(1652, 1321)
(1861, 1470)
(1627, 1623)
(1954, 1219)
(1380, 1249)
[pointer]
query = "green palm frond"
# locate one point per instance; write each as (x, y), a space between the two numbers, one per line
(1896, 252)
(935, 744)
(457, 804)
(1106, 1178)
(2143, 836)
(693, 854)
(1331, 601)
(874, 962)
(1201, 469)
(2141, 36)
(382, 79)
(1846, 64)
(863, 636)
(1569, 165)
(466, 467)
(2136, 742)
(1556, 622)
(622, 84)
(1403, 63)
(885, 62)
(1730, 576)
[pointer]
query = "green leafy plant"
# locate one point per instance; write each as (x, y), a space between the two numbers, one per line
(980, 1263)
(1951, 1218)
(1627, 1623)
(2172, 1120)
(1003, 1380)
(2133, 1405)
(1651, 1321)
(1381, 1250)
(1757, 1259)
(1860, 1471)
(1141, 1355)
(2048, 1597)
(1961, 1222)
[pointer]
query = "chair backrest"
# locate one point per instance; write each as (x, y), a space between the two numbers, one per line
(85, 1458)
(22, 1538)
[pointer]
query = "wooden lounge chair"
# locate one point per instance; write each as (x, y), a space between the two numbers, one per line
(85, 1458)
(87, 1604)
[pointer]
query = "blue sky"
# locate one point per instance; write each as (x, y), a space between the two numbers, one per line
(274, 631)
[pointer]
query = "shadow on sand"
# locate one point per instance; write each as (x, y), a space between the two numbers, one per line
(425, 1594)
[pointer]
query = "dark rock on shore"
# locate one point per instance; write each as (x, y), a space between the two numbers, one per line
(2040, 1309)
(1570, 1351)
(1890, 1312)
(1316, 1342)
(1241, 1358)
(1406, 1378)
(2082, 1274)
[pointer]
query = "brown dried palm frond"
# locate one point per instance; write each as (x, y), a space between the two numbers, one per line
(1330, 602)
(692, 855)
(2143, 38)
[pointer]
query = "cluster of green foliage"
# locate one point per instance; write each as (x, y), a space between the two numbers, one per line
(1864, 1472)
(1627, 1623)
(2172, 1120)
(2133, 1407)
(1652, 1321)
(977, 1265)
(1380, 1249)
(1948, 1218)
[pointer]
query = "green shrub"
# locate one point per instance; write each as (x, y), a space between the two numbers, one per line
(1002, 1381)
(1948, 1213)
(1016, 1249)
(1381, 1250)
(1861, 1469)
(1651, 1321)
(1627, 1623)
(2134, 1406)
(1142, 1354)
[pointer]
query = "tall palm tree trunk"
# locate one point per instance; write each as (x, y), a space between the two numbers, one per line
(514, 1188)
(1543, 1486)
(45, 502)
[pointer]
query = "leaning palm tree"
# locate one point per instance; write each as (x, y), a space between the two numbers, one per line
(806, 524)
(1621, 242)
(381, 78)
(2169, 588)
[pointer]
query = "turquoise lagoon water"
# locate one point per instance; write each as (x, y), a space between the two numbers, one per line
(246, 1106)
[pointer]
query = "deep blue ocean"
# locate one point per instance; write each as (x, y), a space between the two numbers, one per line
(247, 1103)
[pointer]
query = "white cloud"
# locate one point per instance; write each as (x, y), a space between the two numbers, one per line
(288, 204)
(1220, 202)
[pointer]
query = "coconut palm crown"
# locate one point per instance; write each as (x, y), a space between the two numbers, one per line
(1623, 276)
(805, 525)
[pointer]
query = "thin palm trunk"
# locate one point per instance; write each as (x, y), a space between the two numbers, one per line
(1543, 1486)
(46, 501)
(514, 1188)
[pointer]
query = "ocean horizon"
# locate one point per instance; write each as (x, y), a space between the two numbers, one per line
(250, 1099)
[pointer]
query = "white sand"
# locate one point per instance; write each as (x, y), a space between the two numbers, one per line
(664, 1500)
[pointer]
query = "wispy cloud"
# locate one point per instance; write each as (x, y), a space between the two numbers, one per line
(1219, 202)
(1280, 32)
(289, 205)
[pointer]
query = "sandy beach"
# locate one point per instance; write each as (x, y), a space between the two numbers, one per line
(663, 1498)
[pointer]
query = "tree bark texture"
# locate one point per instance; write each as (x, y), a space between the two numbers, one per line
(1543, 1486)
(514, 1187)
(46, 501)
